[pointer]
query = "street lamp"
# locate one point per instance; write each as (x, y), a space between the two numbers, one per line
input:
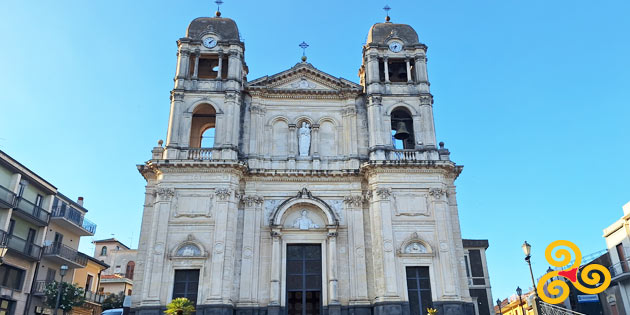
(62, 271)
(527, 250)
(520, 299)
(499, 305)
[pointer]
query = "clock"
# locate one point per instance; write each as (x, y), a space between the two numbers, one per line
(395, 46)
(209, 42)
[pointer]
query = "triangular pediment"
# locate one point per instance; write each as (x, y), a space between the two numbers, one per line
(303, 77)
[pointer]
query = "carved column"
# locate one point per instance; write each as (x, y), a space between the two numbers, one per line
(157, 245)
(233, 65)
(254, 132)
(372, 60)
(408, 70)
(426, 116)
(196, 69)
(217, 268)
(356, 249)
(182, 65)
(421, 69)
(220, 68)
(252, 211)
(444, 230)
(386, 69)
(276, 265)
(333, 297)
(315, 141)
(374, 108)
(383, 245)
(292, 140)
(174, 137)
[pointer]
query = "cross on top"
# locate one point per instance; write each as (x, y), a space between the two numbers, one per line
(387, 8)
(219, 3)
(303, 45)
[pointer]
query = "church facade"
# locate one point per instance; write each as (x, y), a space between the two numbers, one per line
(301, 192)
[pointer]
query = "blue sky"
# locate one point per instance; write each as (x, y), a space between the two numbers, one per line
(530, 96)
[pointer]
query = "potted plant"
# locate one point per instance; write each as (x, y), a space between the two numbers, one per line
(180, 306)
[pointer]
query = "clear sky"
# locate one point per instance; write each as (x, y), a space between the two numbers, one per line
(532, 97)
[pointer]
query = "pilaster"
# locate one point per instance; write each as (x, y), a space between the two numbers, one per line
(383, 254)
(356, 249)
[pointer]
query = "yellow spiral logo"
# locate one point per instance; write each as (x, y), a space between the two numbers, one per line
(559, 256)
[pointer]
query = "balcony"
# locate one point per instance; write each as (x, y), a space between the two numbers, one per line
(200, 153)
(31, 212)
(8, 199)
(621, 270)
(20, 246)
(73, 220)
(63, 254)
(39, 287)
(94, 297)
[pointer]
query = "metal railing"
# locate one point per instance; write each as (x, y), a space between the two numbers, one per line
(39, 287)
(20, 245)
(93, 297)
(402, 155)
(32, 210)
(620, 268)
(75, 216)
(7, 197)
(549, 309)
(58, 249)
(200, 153)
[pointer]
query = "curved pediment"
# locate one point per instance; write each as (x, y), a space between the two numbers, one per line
(303, 78)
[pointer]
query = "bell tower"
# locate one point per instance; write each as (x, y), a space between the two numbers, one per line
(206, 100)
(395, 81)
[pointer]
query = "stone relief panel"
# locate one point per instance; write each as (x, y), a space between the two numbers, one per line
(193, 204)
(189, 250)
(337, 206)
(269, 206)
(411, 204)
(415, 248)
(304, 218)
(414, 245)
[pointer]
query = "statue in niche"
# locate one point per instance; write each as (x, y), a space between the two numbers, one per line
(304, 222)
(415, 248)
(189, 251)
(304, 137)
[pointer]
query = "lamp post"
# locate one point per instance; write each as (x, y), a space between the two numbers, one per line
(527, 250)
(520, 299)
(62, 271)
(499, 306)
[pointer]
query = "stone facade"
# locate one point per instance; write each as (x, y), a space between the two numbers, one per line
(301, 158)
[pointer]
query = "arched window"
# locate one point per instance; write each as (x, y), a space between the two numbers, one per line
(129, 272)
(207, 138)
(402, 129)
(202, 127)
(104, 251)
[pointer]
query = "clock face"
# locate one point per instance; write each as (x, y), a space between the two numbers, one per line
(209, 42)
(395, 46)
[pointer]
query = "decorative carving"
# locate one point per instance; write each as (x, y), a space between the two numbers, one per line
(219, 247)
(304, 222)
(375, 100)
(230, 97)
(349, 111)
(223, 193)
(248, 252)
(165, 194)
(426, 100)
(383, 193)
(275, 234)
(368, 195)
(411, 204)
(437, 193)
(415, 248)
(332, 234)
(388, 245)
(304, 136)
(250, 200)
(303, 84)
(189, 250)
(360, 252)
(353, 200)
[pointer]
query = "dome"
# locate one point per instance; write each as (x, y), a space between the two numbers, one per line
(223, 27)
(380, 33)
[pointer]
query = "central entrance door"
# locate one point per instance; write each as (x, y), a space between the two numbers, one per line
(304, 279)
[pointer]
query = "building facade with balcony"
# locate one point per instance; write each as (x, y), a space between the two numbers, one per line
(302, 192)
(41, 229)
(617, 235)
(25, 206)
(89, 278)
(61, 245)
(478, 277)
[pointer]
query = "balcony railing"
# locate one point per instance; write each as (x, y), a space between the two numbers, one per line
(7, 197)
(94, 297)
(200, 153)
(58, 249)
(403, 155)
(620, 268)
(39, 287)
(32, 210)
(549, 309)
(20, 245)
(75, 216)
